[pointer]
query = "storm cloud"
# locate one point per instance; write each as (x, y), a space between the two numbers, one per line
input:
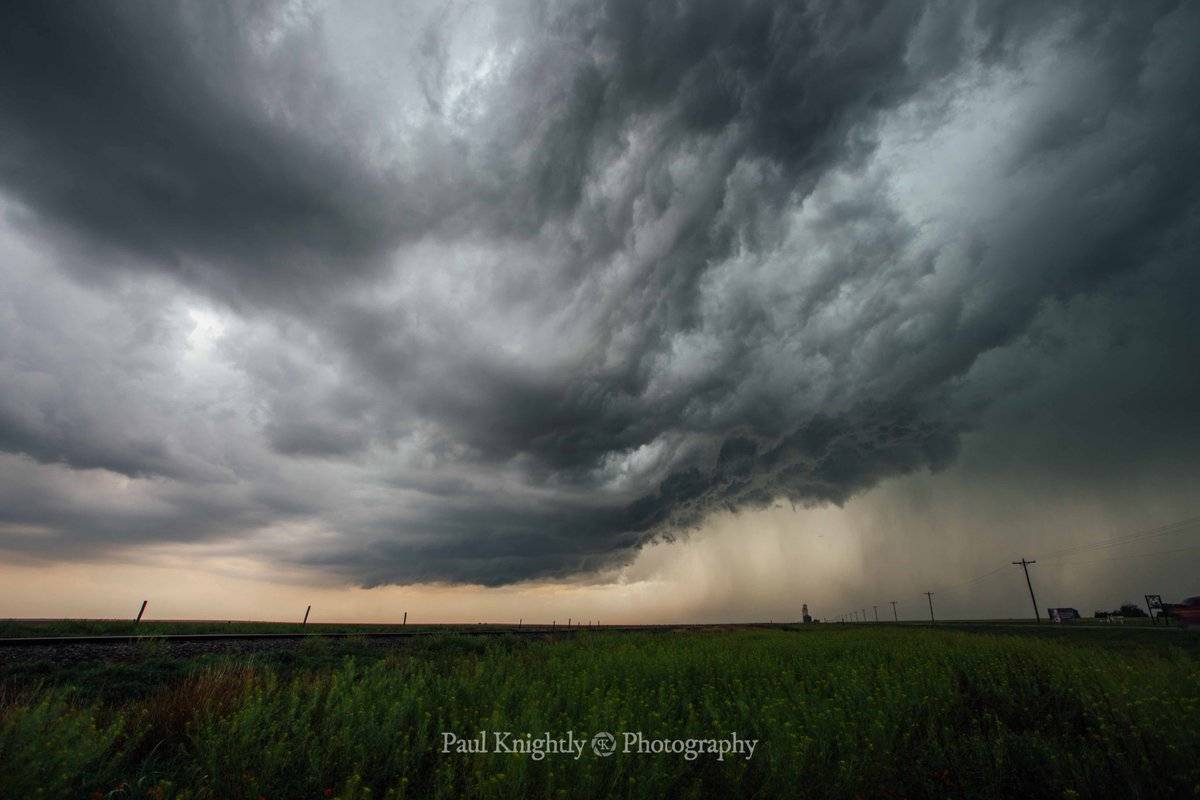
(489, 293)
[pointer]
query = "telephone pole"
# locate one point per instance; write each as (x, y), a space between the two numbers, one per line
(894, 614)
(930, 596)
(1025, 566)
(876, 612)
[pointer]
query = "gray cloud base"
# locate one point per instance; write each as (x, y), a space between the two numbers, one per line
(495, 294)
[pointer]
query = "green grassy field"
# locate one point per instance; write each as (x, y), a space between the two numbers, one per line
(837, 711)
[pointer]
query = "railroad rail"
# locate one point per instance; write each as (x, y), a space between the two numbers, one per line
(464, 630)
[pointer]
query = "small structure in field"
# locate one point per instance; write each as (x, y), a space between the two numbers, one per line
(1063, 614)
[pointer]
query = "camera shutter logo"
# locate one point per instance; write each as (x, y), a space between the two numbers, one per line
(604, 744)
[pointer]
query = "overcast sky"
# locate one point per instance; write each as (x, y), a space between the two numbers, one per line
(686, 310)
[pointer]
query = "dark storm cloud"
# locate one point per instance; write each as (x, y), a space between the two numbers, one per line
(495, 294)
(139, 127)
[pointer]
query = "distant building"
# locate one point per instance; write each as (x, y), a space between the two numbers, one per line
(804, 612)
(1063, 614)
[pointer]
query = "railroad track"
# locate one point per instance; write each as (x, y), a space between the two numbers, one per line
(465, 630)
(51, 641)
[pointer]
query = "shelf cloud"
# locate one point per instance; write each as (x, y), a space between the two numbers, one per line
(486, 293)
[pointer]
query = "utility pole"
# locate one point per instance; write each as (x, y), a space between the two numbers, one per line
(405, 622)
(306, 615)
(894, 614)
(1025, 566)
(864, 616)
(876, 612)
(930, 596)
(141, 611)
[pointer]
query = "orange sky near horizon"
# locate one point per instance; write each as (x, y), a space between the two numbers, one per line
(912, 534)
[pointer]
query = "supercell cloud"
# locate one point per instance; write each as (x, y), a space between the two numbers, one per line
(495, 292)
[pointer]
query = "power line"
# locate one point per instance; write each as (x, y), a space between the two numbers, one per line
(978, 578)
(972, 581)
(1179, 526)
(1131, 555)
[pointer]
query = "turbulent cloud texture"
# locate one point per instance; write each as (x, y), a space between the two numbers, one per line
(487, 293)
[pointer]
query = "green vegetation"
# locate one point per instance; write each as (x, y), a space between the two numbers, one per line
(838, 712)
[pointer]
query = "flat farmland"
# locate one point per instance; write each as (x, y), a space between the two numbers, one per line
(981, 711)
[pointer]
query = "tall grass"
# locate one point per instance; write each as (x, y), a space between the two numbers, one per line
(863, 713)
